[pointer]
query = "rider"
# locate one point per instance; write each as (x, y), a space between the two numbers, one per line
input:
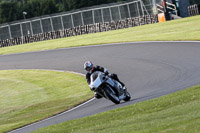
(90, 68)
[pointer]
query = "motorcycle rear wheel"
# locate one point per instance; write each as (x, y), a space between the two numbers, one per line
(128, 96)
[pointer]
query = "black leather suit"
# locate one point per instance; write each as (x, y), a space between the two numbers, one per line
(104, 70)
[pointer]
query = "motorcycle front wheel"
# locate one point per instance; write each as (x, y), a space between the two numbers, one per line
(110, 94)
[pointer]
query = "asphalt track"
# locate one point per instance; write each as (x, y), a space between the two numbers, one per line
(149, 70)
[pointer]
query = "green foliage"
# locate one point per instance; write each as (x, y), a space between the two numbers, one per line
(194, 2)
(6, 11)
(13, 10)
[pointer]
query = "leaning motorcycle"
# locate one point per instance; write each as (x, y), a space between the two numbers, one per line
(107, 87)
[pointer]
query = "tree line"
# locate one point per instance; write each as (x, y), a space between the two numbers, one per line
(195, 2)
(11, 10)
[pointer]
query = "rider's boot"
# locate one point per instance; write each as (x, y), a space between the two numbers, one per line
(97, 96)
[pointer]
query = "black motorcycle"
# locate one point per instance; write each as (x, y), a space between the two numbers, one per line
(107, 87)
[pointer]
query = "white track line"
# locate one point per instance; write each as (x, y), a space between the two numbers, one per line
(57, 114)
(54, 116)
(81, 73)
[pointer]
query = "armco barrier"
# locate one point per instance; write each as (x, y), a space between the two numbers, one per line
(80, 30)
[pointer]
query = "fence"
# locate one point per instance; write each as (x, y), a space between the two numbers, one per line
(193, 10)
(105, 13)
(84, 21)
(80, 30)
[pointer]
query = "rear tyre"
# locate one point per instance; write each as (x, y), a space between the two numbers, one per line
(128, 96)
(110, 94)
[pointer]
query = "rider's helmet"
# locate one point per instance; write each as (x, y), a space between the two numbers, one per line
(88, 65)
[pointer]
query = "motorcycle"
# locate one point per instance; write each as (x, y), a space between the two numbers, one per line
(107, 87)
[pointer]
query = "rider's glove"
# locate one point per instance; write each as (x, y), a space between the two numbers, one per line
(109, 75)
(106, 73)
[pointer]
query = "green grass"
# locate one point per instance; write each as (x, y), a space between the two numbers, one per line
(27, 96)
(175, 113)
(182, 29)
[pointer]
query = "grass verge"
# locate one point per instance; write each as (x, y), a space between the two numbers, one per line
(177, 30)
(27, 96)
(177, 112)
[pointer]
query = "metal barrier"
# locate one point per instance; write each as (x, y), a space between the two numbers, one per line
(170, 7)
(80, 30)
(66, 20)
(193, 10)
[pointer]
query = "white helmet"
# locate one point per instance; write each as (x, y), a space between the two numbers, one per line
(88, 65)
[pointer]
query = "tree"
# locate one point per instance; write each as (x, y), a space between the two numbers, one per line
(194, 2)
(8, 11)
(13, 9)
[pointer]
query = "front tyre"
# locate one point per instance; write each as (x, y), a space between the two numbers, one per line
(110, 94)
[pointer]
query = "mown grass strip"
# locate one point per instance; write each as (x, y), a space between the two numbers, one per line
(177, 30)
(27, 96)
(177, 112)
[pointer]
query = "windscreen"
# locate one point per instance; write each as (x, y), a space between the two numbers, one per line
(94, 76)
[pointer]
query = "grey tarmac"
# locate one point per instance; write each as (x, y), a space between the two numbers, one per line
(149, 70)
